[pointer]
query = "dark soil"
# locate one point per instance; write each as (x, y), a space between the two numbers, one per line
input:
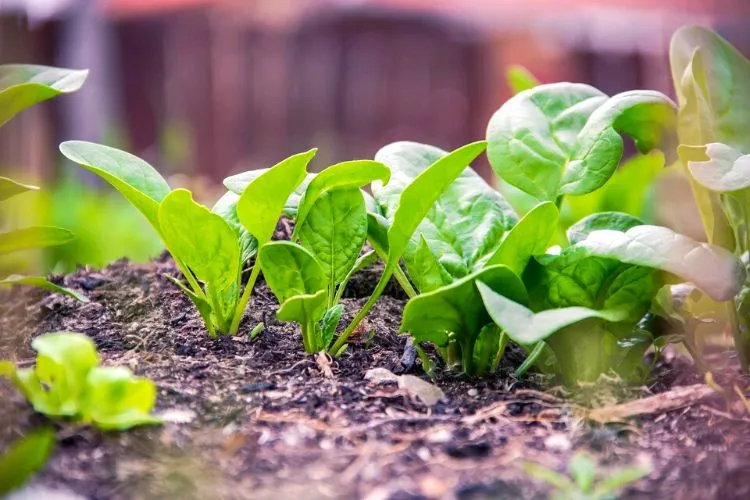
(262, 420)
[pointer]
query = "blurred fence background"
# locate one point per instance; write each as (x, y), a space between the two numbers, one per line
(207, 88)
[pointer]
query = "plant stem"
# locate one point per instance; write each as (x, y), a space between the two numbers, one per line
(531, 359)
(239, 311)
(404, 282)
(741, 336)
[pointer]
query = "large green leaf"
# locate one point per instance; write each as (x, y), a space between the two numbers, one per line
(526, 327)
(531, 236)
(290, 270)
(226, 207)
(23, 85)
(457, 308)
(722, 168)
(117, 400)
(138, 182)
(41, 282)
(565, 138)
(602, 220)
(262, 202)
(350, 174)
(716, 271)
(710, 78)
(24, 458)
(34, 237)
(335, 230)
(200, 238)
(9, 187)
(465, 224)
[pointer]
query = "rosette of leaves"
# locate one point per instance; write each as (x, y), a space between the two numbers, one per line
(67, 382)
(22, 86)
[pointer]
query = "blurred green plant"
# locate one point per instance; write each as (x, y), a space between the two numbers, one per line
(67, 382)
(24, 458)
(585, 479)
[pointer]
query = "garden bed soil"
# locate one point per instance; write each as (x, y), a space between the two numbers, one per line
(262, 419)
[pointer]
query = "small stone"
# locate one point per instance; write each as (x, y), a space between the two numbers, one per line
(258, 387)
(557, 442)
(473, 393)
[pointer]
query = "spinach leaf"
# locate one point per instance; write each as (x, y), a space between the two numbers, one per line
(463, 227)
(455, 314)
(9, 188)
(116, 400)
(519, 79)
(290, 270)
(135, 179)
(414, 203)
(226, 207)
(307, 311)
(41, 282)
(24, 458)
(23, 85)
(33, 237)
(564, 138)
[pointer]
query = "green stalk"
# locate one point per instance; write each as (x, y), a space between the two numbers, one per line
(530, 359)
(404, 282)
(741, 336)
(240, 309)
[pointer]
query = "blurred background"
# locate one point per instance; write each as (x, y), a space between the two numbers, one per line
(205, 88)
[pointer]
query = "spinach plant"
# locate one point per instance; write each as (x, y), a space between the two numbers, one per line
(309, 278)
(67, 382)
(208, 246)
(711, 80)
(22, 86)
(586, 300)
(24, 458)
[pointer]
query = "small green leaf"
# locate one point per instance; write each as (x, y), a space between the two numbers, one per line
(349, 174)
(531, 236)
(23, 85)
(24, 458)
(138, 182)
(118, 400)
(9, 188)
(602, 220)
(714, 270)
(334, 230)
(263, 200)
(307, 311)
(425, 270)
(41, 282)
(200, 238)
(329, 323)
(377, 233)
(519, 79)
(33, 237)
(237, 184)
(486, 349)
(583, 469)
(526, 327)
(226, 207)
(290, 270)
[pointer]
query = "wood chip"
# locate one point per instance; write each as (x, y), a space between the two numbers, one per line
(679, 397)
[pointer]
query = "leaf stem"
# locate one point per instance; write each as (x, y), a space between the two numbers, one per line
(531, 359)
(240, 309)
(404, 282)
(741, 336)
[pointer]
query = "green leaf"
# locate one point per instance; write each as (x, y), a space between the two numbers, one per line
(237, 184)
(457, 308)
(463, 226)
(519, 79)
(290, 270)
(531, 236)
(714, 270)
(724, 168)
(617, 480)
(118, 400)
(486, 349)
(583, 469)
(135, 179)
(200, 238)
(603, 220)
(9, 188)
(334, 230)
(226, 207)
(263, 200)
(377, 233)
(329, 323)
(23, 85)
(526, 327)
(342, 176)
(57, 383)
(41, 282)
(306, 310)
(565, 138)
(24, 458)
(425, 270)
(363, 261)
(33, 237)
